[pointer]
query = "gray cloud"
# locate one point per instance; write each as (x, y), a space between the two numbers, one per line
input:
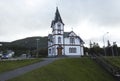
(19, 17)
(103, 12)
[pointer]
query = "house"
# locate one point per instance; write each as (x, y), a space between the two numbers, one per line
(63, 43)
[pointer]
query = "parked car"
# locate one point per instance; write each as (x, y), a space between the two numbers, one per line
(4, 57)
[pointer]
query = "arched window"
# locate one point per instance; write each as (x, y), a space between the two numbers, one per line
(72, 40)
(59, 39)
(49, 51)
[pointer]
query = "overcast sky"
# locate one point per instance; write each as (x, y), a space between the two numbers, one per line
(90, 19)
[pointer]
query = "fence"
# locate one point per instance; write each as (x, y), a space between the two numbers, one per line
(115, 71)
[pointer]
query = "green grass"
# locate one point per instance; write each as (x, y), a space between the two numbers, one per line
(10, 65)
(115, 61)
(77, 69)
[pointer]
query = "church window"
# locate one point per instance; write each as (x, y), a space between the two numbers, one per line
(59, 39)
(59, 32)
(72, 40)
(49, 51)
(59, 26)
(72, 50)
(53, 50)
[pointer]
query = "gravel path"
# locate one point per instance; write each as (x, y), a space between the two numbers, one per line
(17, 72)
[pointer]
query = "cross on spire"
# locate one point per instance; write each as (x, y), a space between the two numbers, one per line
(72, 28)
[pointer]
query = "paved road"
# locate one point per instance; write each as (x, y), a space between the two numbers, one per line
(17, 72)
(12, 59)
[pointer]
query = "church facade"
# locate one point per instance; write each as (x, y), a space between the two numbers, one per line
(63, 43)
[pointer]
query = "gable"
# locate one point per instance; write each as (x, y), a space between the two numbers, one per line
(69, 34)
(72, 34)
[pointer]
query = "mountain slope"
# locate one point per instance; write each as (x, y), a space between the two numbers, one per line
(31, 42)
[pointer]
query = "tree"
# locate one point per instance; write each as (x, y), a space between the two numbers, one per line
(115, 49)
(108, 50)
(95, 48)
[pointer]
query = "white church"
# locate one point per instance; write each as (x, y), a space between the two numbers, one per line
(62, 43)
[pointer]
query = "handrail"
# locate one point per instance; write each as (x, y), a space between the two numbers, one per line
(114, 70)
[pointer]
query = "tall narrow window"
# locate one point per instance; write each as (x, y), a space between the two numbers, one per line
(49, 51)
(59, 39)
(72, 40)
(53, 51)
(69, 50)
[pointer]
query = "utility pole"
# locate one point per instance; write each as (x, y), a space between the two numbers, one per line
(37, 47)
(112, 50)
(104, 43)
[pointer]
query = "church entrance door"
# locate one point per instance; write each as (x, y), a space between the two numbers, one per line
(59, 52)
(59, 49)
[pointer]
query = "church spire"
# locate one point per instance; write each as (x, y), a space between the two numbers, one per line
(57, 17)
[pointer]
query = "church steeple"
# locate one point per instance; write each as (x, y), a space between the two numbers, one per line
(57, 18)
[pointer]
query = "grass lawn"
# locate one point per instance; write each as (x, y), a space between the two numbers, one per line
(10, 65)
(69, 69)
(115, 61)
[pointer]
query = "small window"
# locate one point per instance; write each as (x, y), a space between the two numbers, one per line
(59, 39)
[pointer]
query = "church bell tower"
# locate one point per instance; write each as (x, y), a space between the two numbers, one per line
(57, 26)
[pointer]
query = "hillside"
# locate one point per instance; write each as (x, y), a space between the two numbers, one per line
(5, 43)
(29, 42)
(22, 46)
